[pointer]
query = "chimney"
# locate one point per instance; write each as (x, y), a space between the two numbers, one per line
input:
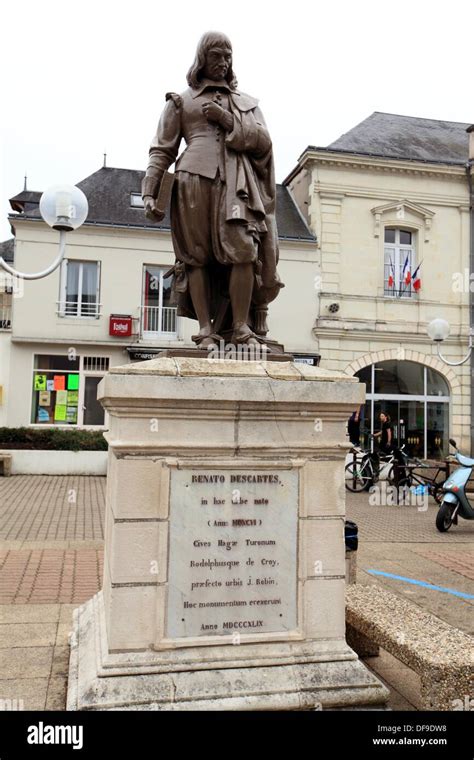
(470, 131)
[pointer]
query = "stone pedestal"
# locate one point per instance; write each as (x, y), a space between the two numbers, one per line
(224, 564)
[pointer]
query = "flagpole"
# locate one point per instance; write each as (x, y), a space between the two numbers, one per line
(403, 275)
(392, 268)
(414, 275)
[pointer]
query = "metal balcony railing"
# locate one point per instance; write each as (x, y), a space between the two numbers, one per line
(90, 310)
(402, 292)
(158, 321)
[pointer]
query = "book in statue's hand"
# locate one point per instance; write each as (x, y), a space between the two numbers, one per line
(163, 198)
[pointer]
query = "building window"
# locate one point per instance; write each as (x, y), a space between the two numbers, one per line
(65, 390)
(80, 282)
(399, 263)
(158, 312)
(5, 311)
(56, 385)
(417, 399)
(96, 363)
(136, 200)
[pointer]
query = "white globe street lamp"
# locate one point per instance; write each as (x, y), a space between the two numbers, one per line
(64, 208)
(438, 330)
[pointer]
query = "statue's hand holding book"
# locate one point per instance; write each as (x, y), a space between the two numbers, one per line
(155, 208)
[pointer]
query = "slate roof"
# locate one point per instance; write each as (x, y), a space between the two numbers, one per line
(390, 135)
(25, 201)
(7, 250)
(108, 193)
(290, 223)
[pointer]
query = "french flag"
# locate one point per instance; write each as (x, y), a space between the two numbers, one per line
(391, 281)
(417, 279)
(406, 274)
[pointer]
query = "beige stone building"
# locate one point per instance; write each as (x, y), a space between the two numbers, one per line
(109, 304)
(388, 199)
(388, 203)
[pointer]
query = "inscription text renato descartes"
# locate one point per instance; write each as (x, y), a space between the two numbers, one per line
(235, 478)
(237, 541)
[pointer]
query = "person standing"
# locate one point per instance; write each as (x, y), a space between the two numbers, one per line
(353, 428)
(385, 434)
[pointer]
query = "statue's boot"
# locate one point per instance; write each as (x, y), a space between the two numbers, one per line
(242, 334)
(206, 341)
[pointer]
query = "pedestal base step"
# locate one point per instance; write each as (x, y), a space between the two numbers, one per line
(323, 684)
(235, 353)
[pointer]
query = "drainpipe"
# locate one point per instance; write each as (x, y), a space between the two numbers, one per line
(470, 180)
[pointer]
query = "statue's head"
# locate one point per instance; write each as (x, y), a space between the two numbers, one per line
(213, 60)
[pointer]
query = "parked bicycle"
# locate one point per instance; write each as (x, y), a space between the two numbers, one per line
(367, 466)
(404, 471)
(413, 473)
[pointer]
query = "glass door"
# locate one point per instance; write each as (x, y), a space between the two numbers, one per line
(437, 434)
(412, 427)
(93, 410)
(407, 418)
(390, 408)
(416, 398)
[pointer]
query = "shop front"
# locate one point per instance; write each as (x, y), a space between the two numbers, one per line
(64, 389)
(417, 399)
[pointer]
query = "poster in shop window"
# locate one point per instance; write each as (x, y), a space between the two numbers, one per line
(59, 382)
(43, 415)
(73, 382)
(61, 398)
(59, 413)
(40, 382)
(71, 414)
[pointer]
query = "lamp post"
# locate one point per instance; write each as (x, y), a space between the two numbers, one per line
(438, 330)
(64, 208)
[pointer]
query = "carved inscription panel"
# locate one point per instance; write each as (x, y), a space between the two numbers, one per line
(233, 552)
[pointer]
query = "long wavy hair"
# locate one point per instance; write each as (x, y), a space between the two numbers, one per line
(208, 41)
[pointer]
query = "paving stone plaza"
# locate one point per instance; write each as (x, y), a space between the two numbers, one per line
(51, 538)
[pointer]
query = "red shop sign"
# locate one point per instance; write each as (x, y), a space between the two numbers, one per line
(120, 326)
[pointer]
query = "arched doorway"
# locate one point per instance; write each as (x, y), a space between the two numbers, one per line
(417, 399)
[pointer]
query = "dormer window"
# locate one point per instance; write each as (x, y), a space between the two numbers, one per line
(136, 200)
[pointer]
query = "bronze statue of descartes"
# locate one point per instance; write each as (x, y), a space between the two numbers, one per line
(223, 200)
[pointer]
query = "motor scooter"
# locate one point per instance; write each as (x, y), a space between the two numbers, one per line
(455, 502)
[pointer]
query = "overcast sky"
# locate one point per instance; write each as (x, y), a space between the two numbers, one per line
(84, 77)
